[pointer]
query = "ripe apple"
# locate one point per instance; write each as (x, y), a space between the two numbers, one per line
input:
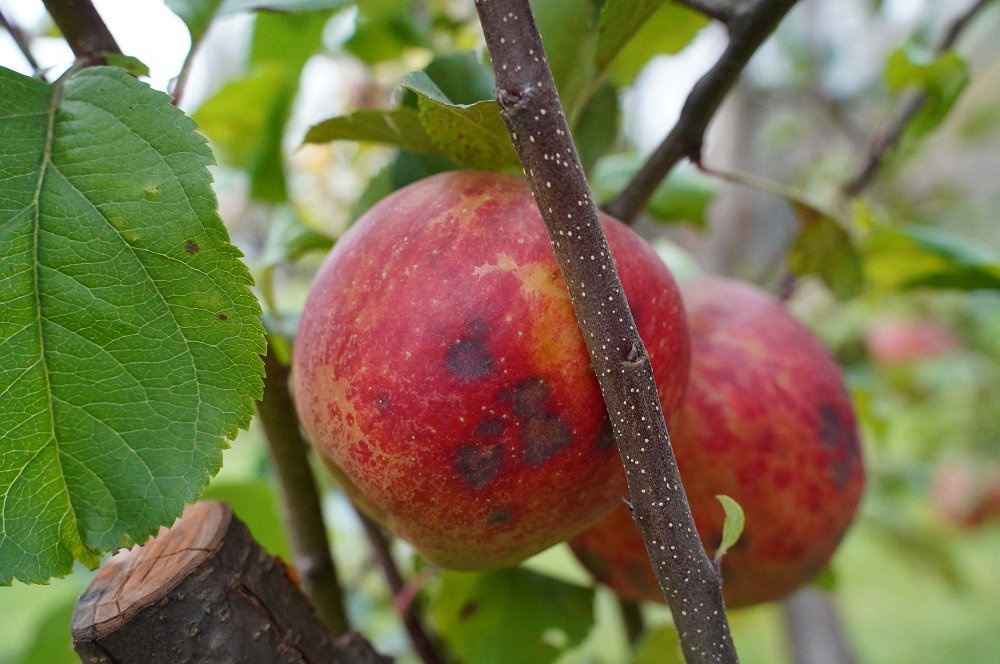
(765, 420)
(441, 373)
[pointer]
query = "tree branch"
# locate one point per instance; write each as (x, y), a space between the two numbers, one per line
(908, 110)
(535, 119)
(17, 35)
(422, 643)
(814, 630)
(83, 28)
(300, 501)
(750, 24)
(721, 10)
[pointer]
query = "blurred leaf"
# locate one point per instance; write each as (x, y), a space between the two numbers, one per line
(133, 66)
(406, 168)
(234, 6)
(825, 250)
(567, 29)
(732, 527)
(919, 546)
(196, 14)
(288, 239)
(384, 37)
(246, 118)
(683, 197)
(474, 135)
(924, 257)
(660, 645)
(597, 128)
(256, 505)
(511, 615)
(400, 128)
(941, 78)
(462, 77)
(631, 32)
(52, 643)
(130, 338)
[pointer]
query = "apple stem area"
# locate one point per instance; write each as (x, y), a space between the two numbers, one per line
(531, 109)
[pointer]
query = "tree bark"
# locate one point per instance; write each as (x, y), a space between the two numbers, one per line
(204, 591)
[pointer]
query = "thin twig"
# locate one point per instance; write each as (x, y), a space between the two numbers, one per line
(422, 643)
(303, 515)
(17, 34)
(537, 124)
(908, 110)
(83, 28)
(721, 10)
(751, 23)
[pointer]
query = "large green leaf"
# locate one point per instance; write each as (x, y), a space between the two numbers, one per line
(129, 340)
(511, 615)
(473, 135)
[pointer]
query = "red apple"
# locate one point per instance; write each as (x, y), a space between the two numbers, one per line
(893, 341)
(766, 420)
(440, 371)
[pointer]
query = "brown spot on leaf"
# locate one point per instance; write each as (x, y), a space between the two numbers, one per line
(223, 317)
(470, 358)
(191, 246)
(478, 465)
(544, 435)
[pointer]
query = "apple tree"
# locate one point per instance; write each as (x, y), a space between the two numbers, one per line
(158, 240)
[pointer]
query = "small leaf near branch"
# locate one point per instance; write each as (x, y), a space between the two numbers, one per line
(400, 128)
(473, 135)
(825, 250)
(941, 78)
(732, 527)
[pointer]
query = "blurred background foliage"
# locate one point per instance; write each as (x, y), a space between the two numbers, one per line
(901, 282)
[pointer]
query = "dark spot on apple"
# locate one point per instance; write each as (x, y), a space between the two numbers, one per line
(223, 317)
(606, 437)
(841, 441)
(478, 465)
(382, 403)
(470, 358)
(498, 517)
(543, 436)
(468, 610)
(528, 398)
(492, 427)
(191, 246)
(832, 432)
(478, 327)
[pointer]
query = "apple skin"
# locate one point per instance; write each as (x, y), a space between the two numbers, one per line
(766, 420)
(441, 373)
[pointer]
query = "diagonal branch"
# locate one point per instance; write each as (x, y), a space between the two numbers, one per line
(83, 28)
(750, 24)
(535, 119)
(17, 35)
(909, 109)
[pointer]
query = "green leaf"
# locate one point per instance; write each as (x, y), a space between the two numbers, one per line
(462, 77)
(134, 66)
(474, 135)
(824, 249)
(255, 504)
(683, 197)
(246, 118)
(630, 32)
(288, 239)
(568, 35)
(940, 78)
(198, 14)
(597, 127)
(384, 38)
(511, 615)
(659, 646)
(400, 128)
(906, 257)
(732, 527)
(129, 339)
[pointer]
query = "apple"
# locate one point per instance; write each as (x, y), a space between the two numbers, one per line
(966, 494)
(766, 420)
(442, 376)
(894, 341)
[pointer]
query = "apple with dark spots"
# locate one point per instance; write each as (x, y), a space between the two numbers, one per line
(766, 420)
(442, 376)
